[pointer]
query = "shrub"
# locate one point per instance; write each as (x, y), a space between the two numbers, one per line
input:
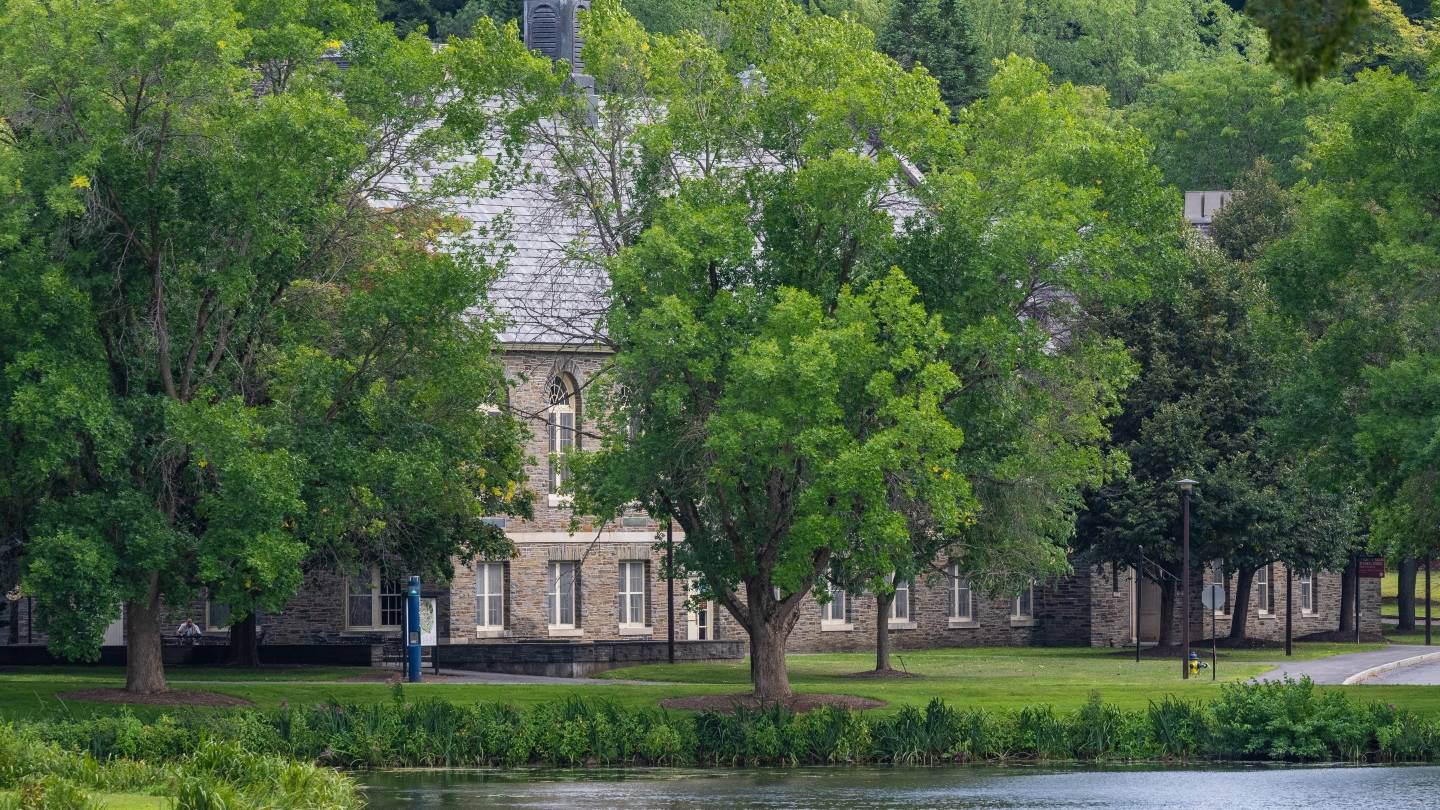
(1041, 734)
(1288, 720)
(1180, 729)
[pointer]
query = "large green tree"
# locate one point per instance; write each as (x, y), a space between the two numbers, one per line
(1120, 46)
(1199, 409)
(1212, 120)
(1355, 278)
(936, 34)
(239, 328)
(759, 189)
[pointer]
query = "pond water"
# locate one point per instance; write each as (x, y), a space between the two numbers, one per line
(1272, 788)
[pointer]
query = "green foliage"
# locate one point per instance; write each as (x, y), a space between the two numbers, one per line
(1308, 37)
(1352, 279)
(1200, 409)
(1120, 46)
(1212, 120)
(206, 775)
(250, 750)
(1289, 720)
(935, 34)
(228, 349)
(1179, 727)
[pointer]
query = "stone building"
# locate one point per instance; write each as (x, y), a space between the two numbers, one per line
(573, 601)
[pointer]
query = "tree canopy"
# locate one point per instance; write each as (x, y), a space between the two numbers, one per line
(232, 340)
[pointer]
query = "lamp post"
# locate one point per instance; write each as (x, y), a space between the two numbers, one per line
(1186, 485)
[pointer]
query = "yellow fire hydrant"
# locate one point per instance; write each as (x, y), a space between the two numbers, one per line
(1194, 663)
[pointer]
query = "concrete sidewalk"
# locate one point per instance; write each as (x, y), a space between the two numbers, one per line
(1336, 668)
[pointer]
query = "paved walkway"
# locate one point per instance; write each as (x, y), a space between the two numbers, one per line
(1336, 668)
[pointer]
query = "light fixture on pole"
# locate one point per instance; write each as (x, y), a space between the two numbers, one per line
(1186, 485)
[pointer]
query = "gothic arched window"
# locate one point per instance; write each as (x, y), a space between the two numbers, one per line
(564, 426)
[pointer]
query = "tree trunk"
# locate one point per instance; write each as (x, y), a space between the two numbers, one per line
(882, 631)
(244, 646)
(144, 661)
(1347, 598)
(1167, 613)
(767, 663)
(1240, 603)
(1408, 569)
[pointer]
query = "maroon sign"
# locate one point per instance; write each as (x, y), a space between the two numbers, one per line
(1372, 567)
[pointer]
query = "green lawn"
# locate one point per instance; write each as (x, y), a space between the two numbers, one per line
(1390, 593)
(997, 678)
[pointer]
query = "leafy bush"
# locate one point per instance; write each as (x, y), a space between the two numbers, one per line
(255, 752)
(1289, 720)
(1180, 729)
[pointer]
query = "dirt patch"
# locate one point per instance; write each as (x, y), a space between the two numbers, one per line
(1346, 636)
(173, 697)
(796, 703)
(881, 674)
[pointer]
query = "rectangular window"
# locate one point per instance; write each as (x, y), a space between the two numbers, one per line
(560, 602)
(375, 602)
(1025, 604)
(562, 441)
(836, 611)
(700, 617)
(490, 595)
(1264, 589)
(1307, 593)
(900, 604)
(961, 603)
(1216, 576)
(217, 615)
(630, 595)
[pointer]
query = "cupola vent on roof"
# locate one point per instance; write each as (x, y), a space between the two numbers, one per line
(552, 27)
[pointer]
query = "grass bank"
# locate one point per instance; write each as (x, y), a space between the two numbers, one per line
(992, 678)
(1269, 721)
(41, 770)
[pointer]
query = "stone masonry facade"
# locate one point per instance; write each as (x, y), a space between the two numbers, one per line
(1093, 606)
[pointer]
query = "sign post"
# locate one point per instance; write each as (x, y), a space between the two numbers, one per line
(1213, 597)
(413, 629)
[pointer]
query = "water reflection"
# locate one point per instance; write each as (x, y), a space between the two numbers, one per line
(1351, 788)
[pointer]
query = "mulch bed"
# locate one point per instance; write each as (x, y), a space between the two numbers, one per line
(173, 697)
(795, 703)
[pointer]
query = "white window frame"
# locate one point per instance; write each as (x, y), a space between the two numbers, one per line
(1026, 597)
(632, 589)
(486, 598)
(1307, 594)
(699, 615)
(1264, 590)
(834, 615)
(561, 438)
(900, 615)
(1216, 570)
(555, 587)
(960, 596)
(378, 595)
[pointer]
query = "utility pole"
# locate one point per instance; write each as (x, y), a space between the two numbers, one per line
(1289, 607)
(1186, 485)
(1139, 589)
(670, 587)
(1427, 597)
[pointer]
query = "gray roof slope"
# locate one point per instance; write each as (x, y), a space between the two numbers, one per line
(551, 288)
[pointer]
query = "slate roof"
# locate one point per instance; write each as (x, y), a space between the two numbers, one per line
(551, 288)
